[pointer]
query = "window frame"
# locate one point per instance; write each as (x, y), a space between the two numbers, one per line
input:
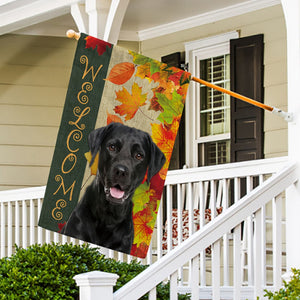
(195, 51)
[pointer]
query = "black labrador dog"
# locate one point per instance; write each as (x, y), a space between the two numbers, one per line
(104, 214)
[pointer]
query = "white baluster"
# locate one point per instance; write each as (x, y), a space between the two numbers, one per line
(224, 204)
(40, 230)
(277, 241)
(258, 287)
(173, 286)
(24, 224)
(216, 276)
(159, 231)
(202, 203)
(32, 222)
(169, 217)
(237, 276)
(9, 229)
(194, 282)
(2, 224)
(179, 228)
(17, 223)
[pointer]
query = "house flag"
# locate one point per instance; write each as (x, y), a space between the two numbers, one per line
(114, 145)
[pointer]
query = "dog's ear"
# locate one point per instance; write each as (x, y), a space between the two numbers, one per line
(95, 140)
(157, 160)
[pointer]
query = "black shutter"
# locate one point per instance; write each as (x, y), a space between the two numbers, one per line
(246, 77)
(178, 155)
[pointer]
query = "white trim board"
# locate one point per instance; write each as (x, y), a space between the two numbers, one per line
(206, 18)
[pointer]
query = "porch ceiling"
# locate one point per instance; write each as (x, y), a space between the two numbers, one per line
(143, 19)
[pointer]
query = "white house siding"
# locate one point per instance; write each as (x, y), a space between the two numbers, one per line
(34, 74)
(270, 22)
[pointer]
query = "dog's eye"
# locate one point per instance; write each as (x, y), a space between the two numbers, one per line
(139, 156)
(112, 147)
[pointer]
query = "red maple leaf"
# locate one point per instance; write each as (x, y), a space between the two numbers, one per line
(142, 229)
(61, 226)
(140, 251)
(157, 184)
(94, 43)
(176, 77)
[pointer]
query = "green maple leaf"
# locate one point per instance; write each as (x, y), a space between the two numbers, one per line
(141, 197)
(154, 66)
(139, 59)
(172, 108)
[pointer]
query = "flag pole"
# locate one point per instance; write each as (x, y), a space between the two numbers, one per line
(287, 116)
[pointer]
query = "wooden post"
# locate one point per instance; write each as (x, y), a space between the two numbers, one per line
(291, 10)
(96, 285)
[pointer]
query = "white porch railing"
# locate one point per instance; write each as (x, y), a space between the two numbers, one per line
(188, 192)
(251, 206)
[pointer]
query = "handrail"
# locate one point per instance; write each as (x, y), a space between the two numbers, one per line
(23, 194)
(230, 170)
(210, 233)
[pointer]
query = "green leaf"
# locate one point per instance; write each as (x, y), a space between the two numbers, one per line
(139, 59)
(141, 197)
(154, 66)
(172, 108)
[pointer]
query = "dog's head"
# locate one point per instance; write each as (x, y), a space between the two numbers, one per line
(125, 155)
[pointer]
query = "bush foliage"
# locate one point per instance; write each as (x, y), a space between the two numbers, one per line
(46, 272)
(290, 291)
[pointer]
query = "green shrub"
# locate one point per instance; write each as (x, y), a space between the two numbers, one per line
(43, 272)
(290, 291)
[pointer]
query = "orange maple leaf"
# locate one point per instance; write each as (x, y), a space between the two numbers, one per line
(183, 90)
(142, 230)
(113, 119)
(121, 73)
(164, 137)
(130, 102)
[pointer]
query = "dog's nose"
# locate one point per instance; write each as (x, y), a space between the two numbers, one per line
(120, 171)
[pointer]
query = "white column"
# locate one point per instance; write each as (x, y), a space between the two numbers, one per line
(98, 12)
(96, 285)
(292, 18)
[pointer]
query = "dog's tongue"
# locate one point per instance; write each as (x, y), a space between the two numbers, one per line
(116, 193)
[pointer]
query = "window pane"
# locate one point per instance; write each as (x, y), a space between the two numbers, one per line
(214, 153)
(214, 105)
(206, 124)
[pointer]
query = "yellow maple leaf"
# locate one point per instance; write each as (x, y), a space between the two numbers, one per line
(164, 137)
(94, 166)
(130, 102)
(143, 71)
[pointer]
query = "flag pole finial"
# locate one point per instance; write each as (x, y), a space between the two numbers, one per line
(71, 34)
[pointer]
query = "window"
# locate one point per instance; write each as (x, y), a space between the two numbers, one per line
(208, 110)
(214, 112)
